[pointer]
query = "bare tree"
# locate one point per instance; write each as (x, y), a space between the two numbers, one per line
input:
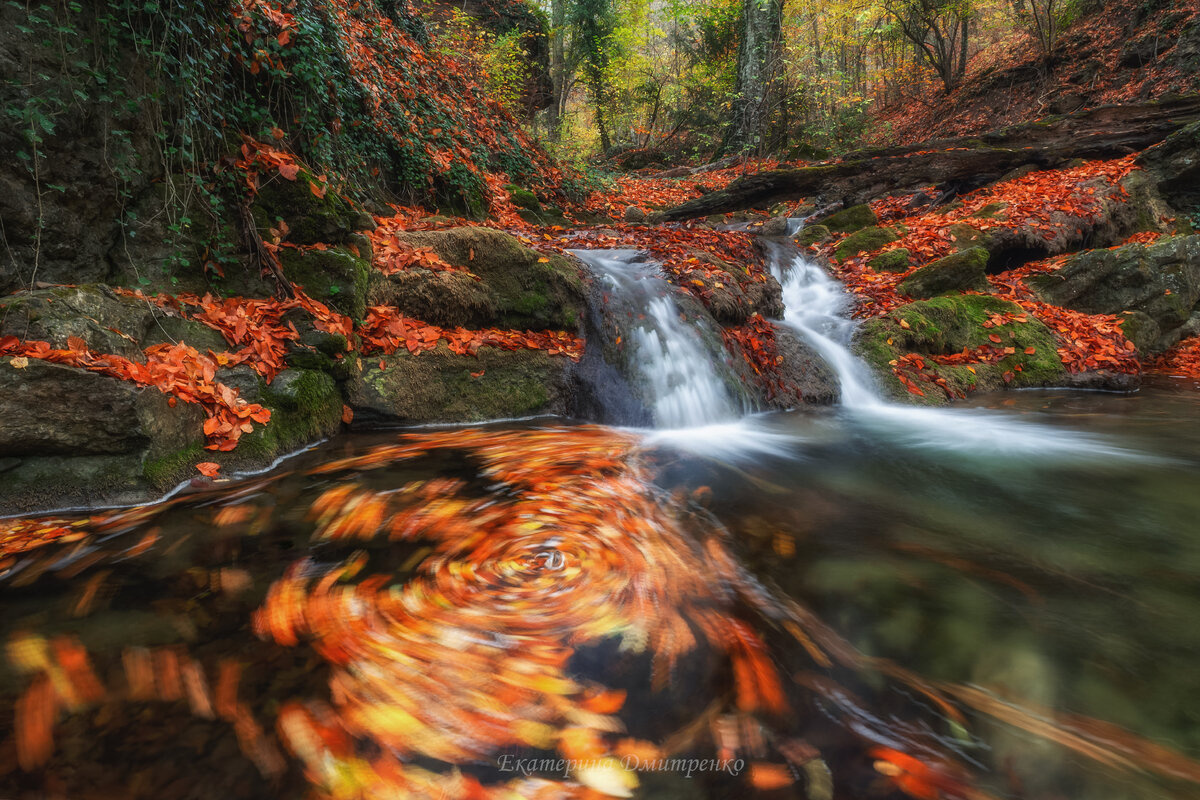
(760, 58)
(939, 30)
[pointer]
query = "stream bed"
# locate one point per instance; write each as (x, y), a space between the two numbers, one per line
(1039, 547)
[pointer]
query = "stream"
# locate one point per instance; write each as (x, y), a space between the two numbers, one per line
(807, 592)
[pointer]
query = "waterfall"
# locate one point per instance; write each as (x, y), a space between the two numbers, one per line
(678, 369)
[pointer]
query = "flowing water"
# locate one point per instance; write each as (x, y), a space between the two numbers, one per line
(1005, 590)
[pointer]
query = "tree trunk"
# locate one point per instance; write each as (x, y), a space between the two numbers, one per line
(759, 57)
(558, 67)
(961, 164)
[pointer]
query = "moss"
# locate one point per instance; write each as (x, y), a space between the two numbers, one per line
(956, 272)
(310, 219)
(332, 276)
(305, 406)
(165, 472)
(946, 325)
(892, 261)
(851, 219)
(868, 240)
(813, 234)
(523, 198)
(965, 237)
(526, 289)
(440, 386)
(990, 211)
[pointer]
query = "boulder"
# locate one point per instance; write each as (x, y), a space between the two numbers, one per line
(335, 276)
(738, 294)
(851, 219)
(775, 226)
(109, 323)
(1174, 166)
(1160, 280)
(953, 273)
(80, 437)
(813, 234)
(867, 240)
(517, 287)
(635, 215)
(898, 260)
(947, 325)
(440, 386)
(803, 369)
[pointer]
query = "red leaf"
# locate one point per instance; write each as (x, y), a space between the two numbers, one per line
(208, 468)
(289, 171)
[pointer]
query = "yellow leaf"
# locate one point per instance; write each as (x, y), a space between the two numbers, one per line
(20, 362)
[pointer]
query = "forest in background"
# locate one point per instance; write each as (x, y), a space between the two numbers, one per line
(666, 82)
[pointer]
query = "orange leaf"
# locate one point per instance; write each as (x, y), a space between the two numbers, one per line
(208, 468)
(347, 414)
(289, 171)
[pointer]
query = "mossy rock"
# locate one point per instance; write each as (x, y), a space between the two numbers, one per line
(441, 386)
(107, 322)
(990, 211)
(851, 219)
(305, 406)
(868, 240)
(898, 260)
(310, 219)
(956, 272)
(336, 277)
(523, 198)
(813, 234)
(528, 290)
(946, 325)
(965, 237)
(1141, 329)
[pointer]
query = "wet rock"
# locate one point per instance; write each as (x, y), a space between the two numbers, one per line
(440, 386)
(517, 287)
(956, 272)
(85, 437)
(737, 294)
(804, 369)
(776, 226)
(851, 219)
(1160, 280)
(108, 323)
(867, 240)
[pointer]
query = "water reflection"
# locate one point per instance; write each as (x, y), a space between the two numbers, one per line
(414, 616)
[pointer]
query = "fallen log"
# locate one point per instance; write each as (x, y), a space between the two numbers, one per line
(965, 163)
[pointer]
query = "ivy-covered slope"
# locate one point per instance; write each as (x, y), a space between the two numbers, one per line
(125, 119)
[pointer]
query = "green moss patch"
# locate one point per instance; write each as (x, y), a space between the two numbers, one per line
(898, 260)
(851, 219)
(868, 240)
(956, 272)
(948, 325)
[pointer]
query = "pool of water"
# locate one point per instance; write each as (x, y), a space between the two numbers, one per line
(1006, 592)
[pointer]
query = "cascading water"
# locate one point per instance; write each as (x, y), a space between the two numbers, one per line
(680, 378)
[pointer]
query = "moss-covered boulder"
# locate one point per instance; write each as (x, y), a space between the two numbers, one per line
(948, 325)
(69, 436)
(965, 237)
(898, 260)
(851, 219)
(335, 276)
(306, 405)
(1160, 280)
(524, 289)
(523, 198)
(448, 299)
(867, 240)
(107, 322)
(953, 273)
(813, 234)
(733, 293)
(441, 386)
(309, 218)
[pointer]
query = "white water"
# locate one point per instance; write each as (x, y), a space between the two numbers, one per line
(693, 408)
(816, 306)
(683, 387)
